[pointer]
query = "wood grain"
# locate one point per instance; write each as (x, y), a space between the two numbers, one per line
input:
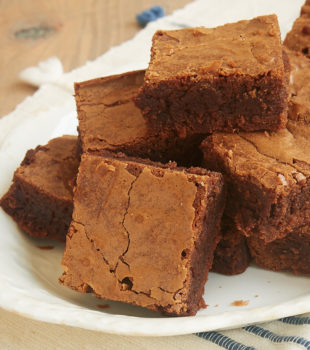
(73, 30)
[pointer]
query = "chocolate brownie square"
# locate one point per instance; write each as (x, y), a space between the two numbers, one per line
(268, 176)
(40, 198)
(221, 79)
(291, 253)
(109, 120)
(143, 233)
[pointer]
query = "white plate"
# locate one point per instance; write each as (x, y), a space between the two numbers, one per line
(29, 275)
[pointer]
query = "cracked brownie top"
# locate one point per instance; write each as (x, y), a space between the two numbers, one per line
(250, 47)
(52, 167)
(134, 231)
(107, 115)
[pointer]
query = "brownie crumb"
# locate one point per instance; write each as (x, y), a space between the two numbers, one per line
(240, 303)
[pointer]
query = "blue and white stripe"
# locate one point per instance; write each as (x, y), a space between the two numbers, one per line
(223, 341)
(286, 333)
(294, 320)
(264, 333)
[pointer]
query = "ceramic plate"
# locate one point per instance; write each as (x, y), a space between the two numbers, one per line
(29, 274)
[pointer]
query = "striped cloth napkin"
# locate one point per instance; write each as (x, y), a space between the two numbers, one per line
(287, 333)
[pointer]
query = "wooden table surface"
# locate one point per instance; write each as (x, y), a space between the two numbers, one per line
(73, 30)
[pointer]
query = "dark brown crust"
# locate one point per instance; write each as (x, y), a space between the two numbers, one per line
(291, 253)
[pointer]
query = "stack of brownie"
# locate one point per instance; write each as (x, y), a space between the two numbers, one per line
(145, 230)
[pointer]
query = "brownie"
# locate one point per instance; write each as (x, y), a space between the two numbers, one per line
(40, 198)
(291, 253)
(109, 120)
(143, 233)
(226, 78)
(298, 39)
(268, 176)
(231, 256)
